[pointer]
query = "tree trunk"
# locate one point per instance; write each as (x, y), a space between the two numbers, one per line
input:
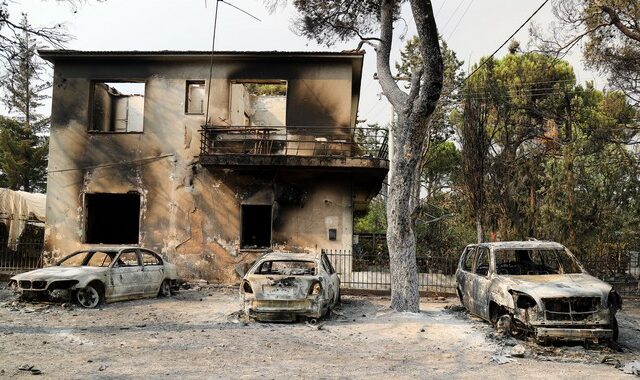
(413, 110)
(401, 239)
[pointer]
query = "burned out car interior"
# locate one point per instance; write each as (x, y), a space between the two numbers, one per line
(288, 286)
(536, 288)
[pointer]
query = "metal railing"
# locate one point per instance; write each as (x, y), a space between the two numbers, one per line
(359, 142)
(370, 271)
(366, 267)
(24, 254)
(621, 270)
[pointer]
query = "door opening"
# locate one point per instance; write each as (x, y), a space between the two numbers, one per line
(256, 226)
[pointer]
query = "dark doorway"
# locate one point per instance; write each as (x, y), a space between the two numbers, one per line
(112, 218)
(256, 226)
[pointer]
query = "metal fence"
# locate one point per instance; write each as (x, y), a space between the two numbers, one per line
(25, 253)
(369, 270)
(366, 267)
(621, 270)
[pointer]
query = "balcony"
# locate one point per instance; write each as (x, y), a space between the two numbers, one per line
(302, 147)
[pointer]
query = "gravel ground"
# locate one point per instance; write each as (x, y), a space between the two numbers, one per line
(198, 333)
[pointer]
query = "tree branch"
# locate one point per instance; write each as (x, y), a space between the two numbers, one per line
(390, 88)
(615, 20)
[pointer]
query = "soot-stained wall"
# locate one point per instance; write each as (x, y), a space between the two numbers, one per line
(191, 213)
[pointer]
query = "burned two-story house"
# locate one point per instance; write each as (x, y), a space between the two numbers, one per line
(209, 159)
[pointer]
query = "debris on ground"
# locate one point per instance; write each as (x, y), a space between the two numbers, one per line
(632, 368)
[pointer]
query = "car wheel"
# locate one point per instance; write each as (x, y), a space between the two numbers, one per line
(165, 289)
(89, 297)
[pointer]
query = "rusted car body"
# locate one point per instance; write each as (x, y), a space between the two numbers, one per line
(285, 286)
(536, 288)
(102, 274)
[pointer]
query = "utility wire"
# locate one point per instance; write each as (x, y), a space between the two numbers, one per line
(213, 45)
(453, 14)
(140, 161)
(506, 41)
(460, 20)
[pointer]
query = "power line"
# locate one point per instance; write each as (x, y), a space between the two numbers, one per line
(140, 161)
(453, 14)
(441, 6)
(460, 19)
(506, 41)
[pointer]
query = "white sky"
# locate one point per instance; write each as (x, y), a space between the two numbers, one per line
(473, 28)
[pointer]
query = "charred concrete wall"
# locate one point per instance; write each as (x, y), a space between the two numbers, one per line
(189, 212)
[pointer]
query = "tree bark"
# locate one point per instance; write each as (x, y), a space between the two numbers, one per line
(414, 110)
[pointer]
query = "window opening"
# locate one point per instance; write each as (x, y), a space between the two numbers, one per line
(196, 96)
(256, 226)
(149, 258)
(117, 107)
(112, 218)
(258, 103)
(287, 268)
(128, 259)
(468, 259)
(482, 266)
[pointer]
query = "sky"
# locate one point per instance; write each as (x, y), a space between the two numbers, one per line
(472, 28)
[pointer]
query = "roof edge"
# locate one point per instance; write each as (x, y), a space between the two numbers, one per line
(53, 55)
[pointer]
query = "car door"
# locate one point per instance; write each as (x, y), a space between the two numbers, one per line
(127, 279)
(481, 282)
(465, 276)
(334, 280)
(153, 271)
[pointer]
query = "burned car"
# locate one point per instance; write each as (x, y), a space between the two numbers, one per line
(101, 275)
(285, 286)
(536, 288)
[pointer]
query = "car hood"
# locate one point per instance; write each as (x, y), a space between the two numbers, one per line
(59, 273)
(558, 285)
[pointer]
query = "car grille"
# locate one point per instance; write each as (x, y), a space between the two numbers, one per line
(25, 284)
(570, 309)
(39, 285)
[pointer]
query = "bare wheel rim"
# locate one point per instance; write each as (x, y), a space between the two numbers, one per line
(88, 297)
(165, 289)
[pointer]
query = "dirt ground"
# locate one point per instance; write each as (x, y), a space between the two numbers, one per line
(198, 334)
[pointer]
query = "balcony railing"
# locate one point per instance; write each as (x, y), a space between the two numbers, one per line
(360, 142)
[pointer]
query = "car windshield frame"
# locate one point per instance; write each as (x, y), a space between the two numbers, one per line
(88, 254)
(258, 270)
(544, 261)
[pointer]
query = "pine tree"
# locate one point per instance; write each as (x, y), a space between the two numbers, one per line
(23, 147)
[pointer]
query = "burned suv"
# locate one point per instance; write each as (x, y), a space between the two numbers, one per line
(536, 288)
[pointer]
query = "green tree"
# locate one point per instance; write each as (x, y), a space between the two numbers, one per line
(23, 147)
(23, 157)
(611, 34)
(23, 82)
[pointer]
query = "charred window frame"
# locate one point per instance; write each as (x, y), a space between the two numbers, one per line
(149, 258)
(469, 259)
(195, 97)
(117, 106)
(248, 105)
(112, 218)
(327, 264)
(483, 262)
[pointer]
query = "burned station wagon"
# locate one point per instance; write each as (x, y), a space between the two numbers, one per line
(284, 286)
(102, 274)
(536, 288)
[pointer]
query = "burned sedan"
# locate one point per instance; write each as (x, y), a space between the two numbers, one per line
(285, 286)
(101, 275)
(536, 288)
